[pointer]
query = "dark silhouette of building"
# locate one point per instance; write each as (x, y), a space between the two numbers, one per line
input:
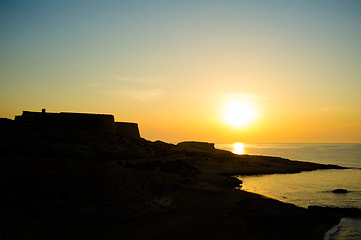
(78, 121)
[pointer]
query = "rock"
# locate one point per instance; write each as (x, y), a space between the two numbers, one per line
(196, 146)
(5, 122)
(233, 181)
(340, 191)
(336, 212)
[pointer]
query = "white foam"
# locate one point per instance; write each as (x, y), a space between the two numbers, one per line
(332, 231)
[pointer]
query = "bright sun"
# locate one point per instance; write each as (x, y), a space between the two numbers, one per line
(238, 113)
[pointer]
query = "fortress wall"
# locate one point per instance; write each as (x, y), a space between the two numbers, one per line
(83, 121)
(127, 129)
(35, 118)
(94, 122)
(78, 121)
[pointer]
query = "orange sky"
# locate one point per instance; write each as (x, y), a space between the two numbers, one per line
(172, 67)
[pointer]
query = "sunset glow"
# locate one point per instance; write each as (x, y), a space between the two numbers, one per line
(268, 71)
(239, 113)
(238, 148)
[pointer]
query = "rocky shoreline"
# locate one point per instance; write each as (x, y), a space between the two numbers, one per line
(104, 186)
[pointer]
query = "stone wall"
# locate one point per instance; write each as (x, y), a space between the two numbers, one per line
(127, 129)
(82, 121)
(78, 121)
(94, 122)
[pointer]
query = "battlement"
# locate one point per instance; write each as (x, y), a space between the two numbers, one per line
(80, 121)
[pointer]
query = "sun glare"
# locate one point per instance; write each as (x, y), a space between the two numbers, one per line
(239, 113)
(238, 148)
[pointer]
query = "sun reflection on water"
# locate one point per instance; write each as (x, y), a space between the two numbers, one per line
(238, 148)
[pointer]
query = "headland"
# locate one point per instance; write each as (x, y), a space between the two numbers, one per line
(80, 179)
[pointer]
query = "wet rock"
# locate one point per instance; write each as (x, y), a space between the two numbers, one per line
(233, 181)
(336, 212)
(340, 191)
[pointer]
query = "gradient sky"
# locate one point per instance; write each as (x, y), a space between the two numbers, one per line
(172, 65)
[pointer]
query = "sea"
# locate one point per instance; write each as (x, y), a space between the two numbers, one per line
(314, 187)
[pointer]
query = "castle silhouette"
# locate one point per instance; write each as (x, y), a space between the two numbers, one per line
(77, 121)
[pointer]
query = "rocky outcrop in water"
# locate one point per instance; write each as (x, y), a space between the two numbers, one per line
(340, 191)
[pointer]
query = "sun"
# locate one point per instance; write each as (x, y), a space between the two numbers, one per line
(239, 113)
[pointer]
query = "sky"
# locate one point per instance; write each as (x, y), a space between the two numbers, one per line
(174, 66)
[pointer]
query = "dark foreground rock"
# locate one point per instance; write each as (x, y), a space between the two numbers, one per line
(103, 186)
(77, 199)
(338, 212)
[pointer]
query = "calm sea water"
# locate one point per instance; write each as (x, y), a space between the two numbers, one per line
(344, 154)
(311, 188)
